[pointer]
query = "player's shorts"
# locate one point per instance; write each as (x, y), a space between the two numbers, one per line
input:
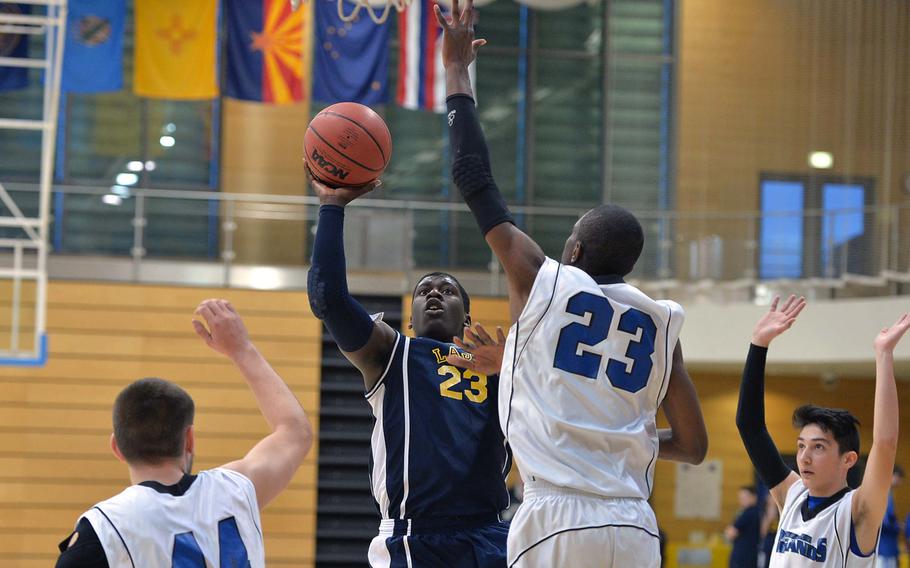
(478, 542)
(556, 526)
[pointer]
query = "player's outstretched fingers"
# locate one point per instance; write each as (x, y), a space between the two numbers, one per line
(472, 336)
(460, 361)
(443, 21)
(788, 303)
(483, 335)
(467, 15)
(464, 345)
(500, 335)
(796, 309)
(202, 332)
(205, 310)
(774, 303)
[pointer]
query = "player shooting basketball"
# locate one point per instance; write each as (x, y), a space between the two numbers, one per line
(588, 362)
(169, 516)
(438, 461)
(822, 521)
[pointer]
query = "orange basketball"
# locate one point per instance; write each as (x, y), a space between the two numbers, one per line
(347, 144)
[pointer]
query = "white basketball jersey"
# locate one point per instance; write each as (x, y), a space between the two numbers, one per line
(585, 369)
(819, 540)
(210, 525)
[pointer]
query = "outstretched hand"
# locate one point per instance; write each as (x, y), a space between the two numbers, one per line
(338, 195)
(458, 44)
(224, 330)
(775, 322)
(889, 337)
(486, 353)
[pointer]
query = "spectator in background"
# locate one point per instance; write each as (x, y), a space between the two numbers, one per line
(888, 548)
(744, 532)
(768, 532)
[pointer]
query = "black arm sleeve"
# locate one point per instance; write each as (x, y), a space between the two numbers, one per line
(327, 284)
(86, 552)
(750, 420)
(471, 170)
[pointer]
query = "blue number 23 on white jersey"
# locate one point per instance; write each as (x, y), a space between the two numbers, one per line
(587, 363)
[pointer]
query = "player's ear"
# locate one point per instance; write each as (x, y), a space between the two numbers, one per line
(467, 320)
(576, 253)
(190, 441)
(850, 459)
(116, 449)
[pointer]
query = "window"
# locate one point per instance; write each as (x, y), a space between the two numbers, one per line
(781, 229)
(815, 227)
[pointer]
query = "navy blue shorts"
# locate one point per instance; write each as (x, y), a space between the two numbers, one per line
(440, 544)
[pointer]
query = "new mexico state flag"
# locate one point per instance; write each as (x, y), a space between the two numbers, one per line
(175, 49)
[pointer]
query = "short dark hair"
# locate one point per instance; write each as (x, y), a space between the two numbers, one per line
(150, 420)
(838, 422)
(612, 239)
(465, 299)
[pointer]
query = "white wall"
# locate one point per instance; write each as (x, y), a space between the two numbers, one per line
(829, 336)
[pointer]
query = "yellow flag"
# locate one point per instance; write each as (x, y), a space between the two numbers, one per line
(175, 49)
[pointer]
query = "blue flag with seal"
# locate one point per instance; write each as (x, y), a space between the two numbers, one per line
(351, 59)
(13, 45)
(93, 56)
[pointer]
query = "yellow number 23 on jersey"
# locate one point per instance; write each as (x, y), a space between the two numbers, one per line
(477, 392)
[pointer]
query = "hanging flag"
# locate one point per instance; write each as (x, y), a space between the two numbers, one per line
(421, 76)
(268, 50)
(175, 49)
(93, 55)
(351, 59)
(13, 45)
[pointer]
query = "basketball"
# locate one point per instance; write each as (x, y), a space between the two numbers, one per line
(347, 144)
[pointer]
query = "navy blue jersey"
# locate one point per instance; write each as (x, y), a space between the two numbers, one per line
(438, 450)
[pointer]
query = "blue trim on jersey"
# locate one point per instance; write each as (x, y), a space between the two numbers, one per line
(120, 536)
(854, 546)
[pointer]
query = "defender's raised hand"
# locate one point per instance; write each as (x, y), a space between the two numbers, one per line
(486, 352)
(889, 337)
(226, 332)
(458, 45)
(775, 322)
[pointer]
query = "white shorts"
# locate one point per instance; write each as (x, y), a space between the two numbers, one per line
(556, 526)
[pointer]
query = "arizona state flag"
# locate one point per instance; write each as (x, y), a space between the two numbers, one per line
(175, 49)
(269, 49)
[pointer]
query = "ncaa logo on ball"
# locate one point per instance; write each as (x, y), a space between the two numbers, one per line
(327, 166)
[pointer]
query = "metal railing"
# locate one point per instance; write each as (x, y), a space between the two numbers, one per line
(865, 247)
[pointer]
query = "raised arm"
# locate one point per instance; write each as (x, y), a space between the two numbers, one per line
(365, 343)
(750, 412)
(687, 438)
(272, 462)
(519, 255)
(871, 498)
